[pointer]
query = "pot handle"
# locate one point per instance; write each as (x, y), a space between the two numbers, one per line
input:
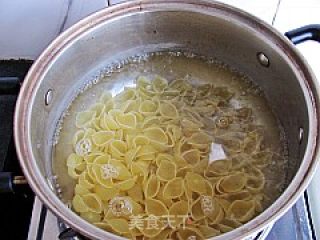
(305, 33)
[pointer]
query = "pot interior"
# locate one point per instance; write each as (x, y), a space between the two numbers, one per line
(227, 37)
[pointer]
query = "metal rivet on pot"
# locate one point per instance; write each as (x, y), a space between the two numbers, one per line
(48, 97)
(301, 132)
(263, 59)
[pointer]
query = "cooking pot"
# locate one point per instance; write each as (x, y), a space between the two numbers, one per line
(205, 28)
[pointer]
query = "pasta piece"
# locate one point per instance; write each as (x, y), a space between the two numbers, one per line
(127, 184)
(174, 188)
(201, 166)
(168, 110)
(131, 155)
(156, 207)
(140, 140)
(160, 196)
(91, 217)
(120, 225)
(179, 210)
(175, 131)
(199, 139)
(118, 149)
(152, 187)
(241, 210)
(146, 150)
(196, 210)
(140, 170)
(191, 156)
(148, 108)
(183, 171)
(102, 138)
(151, 121)
(74, 160)
(136, 193)
(166, 170)
(93, 202)
(195, 183)
(136, 208)
(242, 195)
(255, 184)
(219, 167)
(146, 93)
(163, 156)
(129, 106)
(90, 158)
(109, 122)
(123, 172)
(159, 84)
(232, 183)
(104, 177)
(105, 194)
(156, 134)
(80, 190)
(142, 82)
(127, 121)
(85, 181)
(79, 205)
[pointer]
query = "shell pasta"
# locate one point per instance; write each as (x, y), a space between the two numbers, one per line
(146, 167)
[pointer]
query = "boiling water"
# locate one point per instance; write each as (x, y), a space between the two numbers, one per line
(174, 66)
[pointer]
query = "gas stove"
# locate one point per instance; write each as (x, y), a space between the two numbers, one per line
(23, 216)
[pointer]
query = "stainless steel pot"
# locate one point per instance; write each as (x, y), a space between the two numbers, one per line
(205, 28)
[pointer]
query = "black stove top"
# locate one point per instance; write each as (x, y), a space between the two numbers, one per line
(15, 208)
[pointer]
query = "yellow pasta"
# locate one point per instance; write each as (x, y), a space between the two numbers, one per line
(127, 121)
(145, 155)
(178, 209)
(173, 188)
(152, 186)
(241, 210)
(156, 207)
(102, 138)
(168, 110)
(120, 225)
(232, 183)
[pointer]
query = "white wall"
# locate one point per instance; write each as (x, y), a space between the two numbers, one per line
(28, 26)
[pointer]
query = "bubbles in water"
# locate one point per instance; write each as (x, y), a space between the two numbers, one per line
(83, 147)
(109, 171)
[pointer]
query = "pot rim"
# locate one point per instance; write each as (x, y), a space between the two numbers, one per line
(33, 79)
